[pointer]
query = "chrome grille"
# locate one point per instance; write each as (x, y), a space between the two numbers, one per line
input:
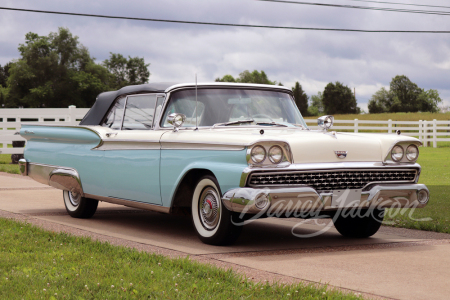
(331, 180)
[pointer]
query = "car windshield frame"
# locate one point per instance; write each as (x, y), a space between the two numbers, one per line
(286, 107)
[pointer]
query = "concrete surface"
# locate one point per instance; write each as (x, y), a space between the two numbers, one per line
(395, 263)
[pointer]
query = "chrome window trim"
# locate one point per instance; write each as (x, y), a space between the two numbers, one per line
(227, 85)
(177, 87)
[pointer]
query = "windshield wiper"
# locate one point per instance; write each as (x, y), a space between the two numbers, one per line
(271, 123)
(234, 122)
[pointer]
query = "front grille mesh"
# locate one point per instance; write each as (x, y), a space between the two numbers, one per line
(331, 180)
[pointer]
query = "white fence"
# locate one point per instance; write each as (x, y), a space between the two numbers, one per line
(12, 118)
(429, 132)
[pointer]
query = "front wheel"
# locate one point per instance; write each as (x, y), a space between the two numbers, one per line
(79, 207)
(359, 224)
(211, 219)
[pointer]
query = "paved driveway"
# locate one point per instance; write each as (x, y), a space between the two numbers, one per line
(395, 263)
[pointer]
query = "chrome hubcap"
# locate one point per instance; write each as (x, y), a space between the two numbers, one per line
(209, 208)
(74, 198)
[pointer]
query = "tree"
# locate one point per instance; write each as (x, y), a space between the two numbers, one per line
(248, 77)
(316, 107)
(55, 71)
(301, 99)
(339, 99)
(125, 72)
(404, 96)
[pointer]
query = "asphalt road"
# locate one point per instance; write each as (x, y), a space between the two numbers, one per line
(395, 263)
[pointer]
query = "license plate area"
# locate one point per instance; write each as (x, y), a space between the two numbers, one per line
(346, 198)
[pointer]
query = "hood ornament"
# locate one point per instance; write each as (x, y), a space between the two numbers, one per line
(341, 154)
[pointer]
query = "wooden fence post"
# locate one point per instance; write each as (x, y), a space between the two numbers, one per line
(356, 125)
(389, 126)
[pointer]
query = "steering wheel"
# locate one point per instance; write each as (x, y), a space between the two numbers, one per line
(262, 116)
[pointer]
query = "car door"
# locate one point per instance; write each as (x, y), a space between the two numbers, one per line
(132, 149)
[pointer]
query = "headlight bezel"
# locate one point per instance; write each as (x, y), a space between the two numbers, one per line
(404, 145)
(252, 155)
(286, 154)
(417, 153)
(270, 155)
(397, 147)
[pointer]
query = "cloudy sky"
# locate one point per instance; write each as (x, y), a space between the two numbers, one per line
(365, 61)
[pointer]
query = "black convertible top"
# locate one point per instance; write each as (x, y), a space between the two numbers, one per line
(104, 100)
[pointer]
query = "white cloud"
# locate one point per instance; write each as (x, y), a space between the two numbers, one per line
(176, 52)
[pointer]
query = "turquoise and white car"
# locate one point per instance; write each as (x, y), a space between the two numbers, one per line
(225, 154)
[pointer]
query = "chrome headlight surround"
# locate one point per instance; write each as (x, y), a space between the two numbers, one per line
(412, 153)
(277, 154)
(325, 122)
(176, 120)
(397, 153)
(258, 154)
(403, 146)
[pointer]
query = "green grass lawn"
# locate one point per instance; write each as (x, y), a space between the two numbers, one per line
(6, 166)
(38, 264)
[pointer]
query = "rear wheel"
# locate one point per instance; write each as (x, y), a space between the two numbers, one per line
(211, 219)
(365, 224)
(78, 206)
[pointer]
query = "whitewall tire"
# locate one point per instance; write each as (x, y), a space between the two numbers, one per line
(211, 219)
(78, 206)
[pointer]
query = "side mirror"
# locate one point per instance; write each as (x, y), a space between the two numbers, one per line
(325, 122)
(176, 120)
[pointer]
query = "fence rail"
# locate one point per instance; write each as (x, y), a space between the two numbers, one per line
(429, 132)
(11, 120)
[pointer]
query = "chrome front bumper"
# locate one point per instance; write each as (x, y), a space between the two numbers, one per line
(304, 199)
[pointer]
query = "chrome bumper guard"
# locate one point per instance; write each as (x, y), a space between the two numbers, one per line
(304, 199)
(58, 177)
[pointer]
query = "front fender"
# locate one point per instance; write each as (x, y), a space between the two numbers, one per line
(227, 167)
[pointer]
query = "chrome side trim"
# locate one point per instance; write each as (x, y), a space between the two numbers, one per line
(130, 203)
(66, 179)
(189, 145)
(128, 145)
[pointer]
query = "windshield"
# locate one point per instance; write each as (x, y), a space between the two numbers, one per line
(228, 107)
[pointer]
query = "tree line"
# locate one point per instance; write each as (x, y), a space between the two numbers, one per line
(58, 71)
(337, 98)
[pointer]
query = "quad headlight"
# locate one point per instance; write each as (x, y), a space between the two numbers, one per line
(269, 154)
(397, 153)
(258, 154)
(275, 154)
(412, 153)
(404, 153)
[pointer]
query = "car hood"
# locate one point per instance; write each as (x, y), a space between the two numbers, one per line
(307, 146)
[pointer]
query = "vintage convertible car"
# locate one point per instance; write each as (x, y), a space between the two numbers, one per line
(225, 154)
